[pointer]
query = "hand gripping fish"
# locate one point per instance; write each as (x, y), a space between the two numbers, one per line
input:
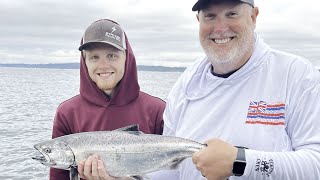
(125, 152)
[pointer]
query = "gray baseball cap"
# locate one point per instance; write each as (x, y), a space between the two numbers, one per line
(104, 31)
(200, 4)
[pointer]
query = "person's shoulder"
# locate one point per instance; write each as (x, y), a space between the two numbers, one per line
(297, 68)
(147, 98)
(286, 56)
(71, 102)
(290, 60)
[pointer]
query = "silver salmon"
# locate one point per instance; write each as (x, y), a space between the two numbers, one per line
(125, 152)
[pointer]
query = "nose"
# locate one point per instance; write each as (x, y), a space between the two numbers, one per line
(220, 26)
(104, 61)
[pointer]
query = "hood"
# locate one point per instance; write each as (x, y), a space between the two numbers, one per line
(201, 81)
(126, 91)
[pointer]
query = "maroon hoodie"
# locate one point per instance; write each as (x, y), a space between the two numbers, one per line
(92, 110)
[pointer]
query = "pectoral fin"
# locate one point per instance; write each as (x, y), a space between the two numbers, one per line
(73, 174)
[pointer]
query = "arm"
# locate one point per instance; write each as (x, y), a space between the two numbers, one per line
(303, 162)
(303, 128)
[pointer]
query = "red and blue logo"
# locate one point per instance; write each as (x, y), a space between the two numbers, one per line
(266, 113)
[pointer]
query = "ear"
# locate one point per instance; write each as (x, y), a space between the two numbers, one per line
(198, 16)
(83, 54)
(254, 15)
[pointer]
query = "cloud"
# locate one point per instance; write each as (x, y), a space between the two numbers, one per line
(160, 32)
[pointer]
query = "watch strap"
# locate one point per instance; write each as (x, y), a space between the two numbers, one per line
(241, 155)
(240, 163)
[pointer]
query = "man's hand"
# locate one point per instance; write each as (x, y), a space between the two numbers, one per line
(93, 169)
(215, 162)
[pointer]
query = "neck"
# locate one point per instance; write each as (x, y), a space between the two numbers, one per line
(225, 75)
(108, 93)
(232, 66)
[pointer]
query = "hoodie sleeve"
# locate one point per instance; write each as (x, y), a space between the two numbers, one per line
(303, 128)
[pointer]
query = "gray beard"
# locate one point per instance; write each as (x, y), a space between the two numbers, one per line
(231, 58)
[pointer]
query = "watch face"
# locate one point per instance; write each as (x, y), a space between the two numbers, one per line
(238, 168)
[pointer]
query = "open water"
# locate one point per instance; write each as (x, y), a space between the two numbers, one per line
(28, 100)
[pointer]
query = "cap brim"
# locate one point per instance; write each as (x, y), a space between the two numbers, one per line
(83, 46)
(196, 6)
(199, 4)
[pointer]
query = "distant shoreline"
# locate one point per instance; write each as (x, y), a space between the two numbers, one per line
(77, 66)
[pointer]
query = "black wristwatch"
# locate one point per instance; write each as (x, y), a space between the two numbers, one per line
(239, 165)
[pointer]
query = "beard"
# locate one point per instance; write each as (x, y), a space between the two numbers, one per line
(231, 56)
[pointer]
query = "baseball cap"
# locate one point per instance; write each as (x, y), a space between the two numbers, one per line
(104, 31)
(200, 4)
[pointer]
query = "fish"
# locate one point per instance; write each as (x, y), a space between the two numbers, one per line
(126, 152)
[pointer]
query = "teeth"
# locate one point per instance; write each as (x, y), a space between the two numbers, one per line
(105, 74)
(222, 41)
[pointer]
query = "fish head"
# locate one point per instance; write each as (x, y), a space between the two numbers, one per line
(55, 153)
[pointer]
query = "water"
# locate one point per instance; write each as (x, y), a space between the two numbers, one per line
(28, 100)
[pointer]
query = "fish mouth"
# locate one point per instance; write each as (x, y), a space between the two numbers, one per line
(43, 158)
(39, 158)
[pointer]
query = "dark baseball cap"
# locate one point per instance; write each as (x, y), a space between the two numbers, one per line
(104, 31)
(200, 4)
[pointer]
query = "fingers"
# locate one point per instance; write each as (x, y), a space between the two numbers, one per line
(98, 170)
(88, 168)
(94, 168)
(195, 157)
(81, 169)
(102, 171)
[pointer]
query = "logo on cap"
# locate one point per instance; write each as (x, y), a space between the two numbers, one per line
(113, 29)
(113, 36)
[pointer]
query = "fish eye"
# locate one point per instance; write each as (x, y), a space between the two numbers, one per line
(47, 150)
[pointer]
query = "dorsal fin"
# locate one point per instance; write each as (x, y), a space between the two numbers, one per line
(134, 127)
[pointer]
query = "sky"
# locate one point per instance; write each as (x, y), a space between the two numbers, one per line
(160, 32)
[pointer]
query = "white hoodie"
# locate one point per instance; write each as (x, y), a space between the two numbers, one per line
(271, 106)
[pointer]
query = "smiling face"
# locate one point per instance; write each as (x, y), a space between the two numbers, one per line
(227, 34)
(106, 66)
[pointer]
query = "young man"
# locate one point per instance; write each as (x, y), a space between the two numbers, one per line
(245, 94)
(110, 96)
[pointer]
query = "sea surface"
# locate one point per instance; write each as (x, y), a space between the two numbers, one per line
(28, 100)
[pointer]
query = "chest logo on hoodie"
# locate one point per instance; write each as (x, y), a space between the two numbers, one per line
(262, 112)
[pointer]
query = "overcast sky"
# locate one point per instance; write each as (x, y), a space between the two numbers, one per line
(161, 32)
